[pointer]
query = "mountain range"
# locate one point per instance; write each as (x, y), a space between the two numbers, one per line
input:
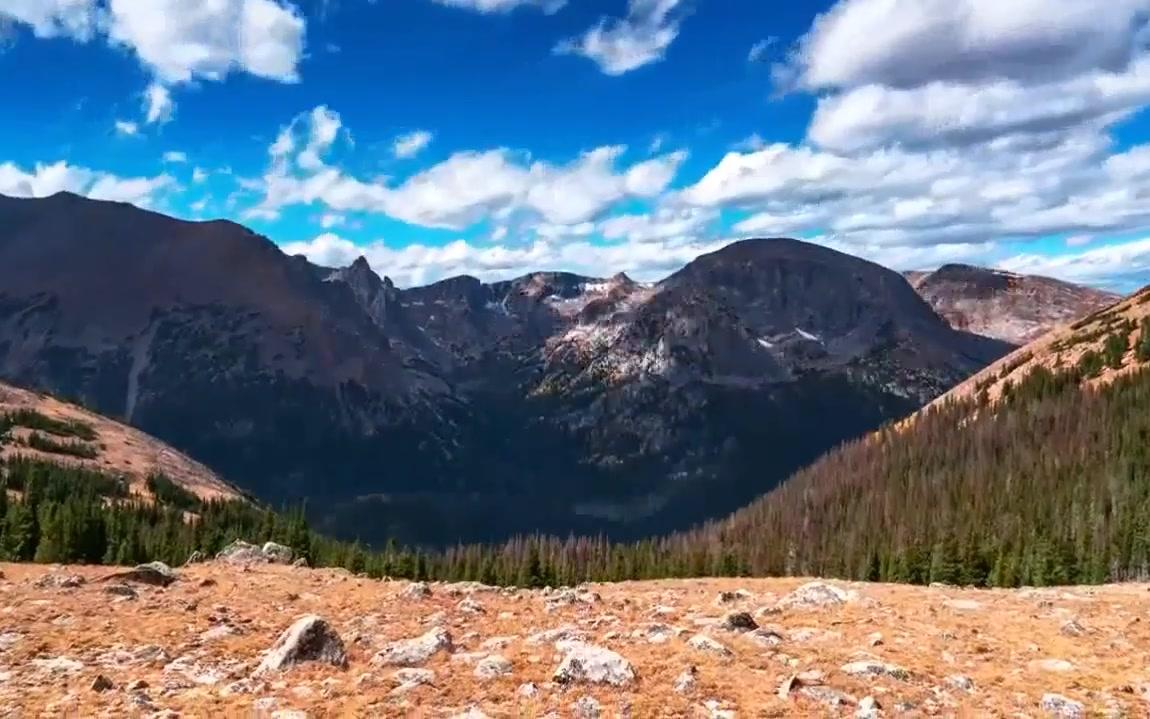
(465, 410)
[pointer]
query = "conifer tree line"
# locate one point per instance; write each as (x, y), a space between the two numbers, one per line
(1051, 485)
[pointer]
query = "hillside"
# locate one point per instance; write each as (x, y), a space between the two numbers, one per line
(1011, 307)
(42, 428)
(464, 410)
(200, 647)
(1034, 472)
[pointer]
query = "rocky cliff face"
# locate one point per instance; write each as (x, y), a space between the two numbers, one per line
(1014, 308)
(465, 410)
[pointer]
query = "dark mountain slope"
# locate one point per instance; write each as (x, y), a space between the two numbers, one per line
(465, 410)
(1035, 472)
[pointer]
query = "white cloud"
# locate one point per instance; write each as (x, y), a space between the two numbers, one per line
(909, 43)
(181, 41)
(503, 6)
(420, 264)
(324, 128)
(174, 156)
(1125, 265)
(158, 104)
(199, 175)
(759, 50)
(331, 220)
(620, 45)
(126, 128)
(411, 144)
(467, 187)
(48, 179)
(54, 18)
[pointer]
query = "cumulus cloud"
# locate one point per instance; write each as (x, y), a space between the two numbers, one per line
(175, 156)
(419, 264)
(465, 188)
(126, 128)
(910, 43)
(411, 144)
(158, 104)
(177, 40)
(620, 45)
(48, 179)
(503, 6)
(1123, 266)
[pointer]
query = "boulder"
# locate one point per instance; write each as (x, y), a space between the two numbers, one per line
(309, 639)
(870, 668)
(241, 552)
(120, 590)
(960, 682)
(685, 682)
(706, 644)
(156, 574)
(492, 667)
(814, 595)
(868, 708)
(414, 652)
(1056, 705)
(589, 664)
(586, 708)
(59, 581)
(416, 591)
(739, 622)
(102, 684)
(278, 553)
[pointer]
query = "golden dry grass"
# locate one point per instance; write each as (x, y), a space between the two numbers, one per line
(996, 643)
(122, 450)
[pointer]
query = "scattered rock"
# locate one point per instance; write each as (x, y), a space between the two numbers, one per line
(60, 581)
(589, 664)
(767, 636)
(102, 683)
(528, 690)
(470, 606)
(715, 710)
(309, 639)
(413, 652)
(739, 622)
(874, 639)
(278, 553)
(706, 644)
(960, 682)
(493, 667)
(241, 552)
(814, 595)
(685, 682)
(194, 558)
(1058, 666)
(416, 591)
(868, 708)
(869, 668)
(825, 695)
(1072, 629)
(962, 605)
(58, 665)
(560, 634)
(300, 562)
(1056, 705)
(739, 595)
(471, 713)
(156, 574)
(120, 590)
(586, 708)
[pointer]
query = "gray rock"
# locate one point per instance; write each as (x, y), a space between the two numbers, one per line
(1072, 629)
(685, 682)
(471, 713)
(60, 581)
(416, 591)
(194, 558)
(560, 634)
(739, 622)
(586, 708)
(120, 590)
(493, 667)
(815, 595)
(1056, 666)
(528, 690)
(309, 639)
(706, 644)
(589, 664)
(825, 695)
(960, 682)
(469, 606)
(869, 668)
(868, 708)
(1056, 705)
(414, 652)
(715, 710)
(767, 636)
(58, 665)
(277, 553)
(241, 552)
(156, 574)
(102, 684)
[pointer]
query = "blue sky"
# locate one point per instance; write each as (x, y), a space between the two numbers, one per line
(494, 137)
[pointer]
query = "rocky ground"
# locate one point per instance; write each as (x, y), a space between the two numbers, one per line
(271, 640)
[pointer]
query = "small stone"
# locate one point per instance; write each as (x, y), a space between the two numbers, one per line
(1056, 705)
(528, 690)
(869, 668)
(309, 639)
(960, 682)
(102, 683)
(685, 682)
(706, 644)
(492, 667)
(416, 591)
(413, 652)
(589, 664)
(962, 605)
(739, 622)
(1072, 629)
(60, 581)
(868, 708)
(739, 595)
(470, 606)
(1057, 666)
(120, 590)
(156, 574)
(586, 708)
(874, 639)
(815, 595)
